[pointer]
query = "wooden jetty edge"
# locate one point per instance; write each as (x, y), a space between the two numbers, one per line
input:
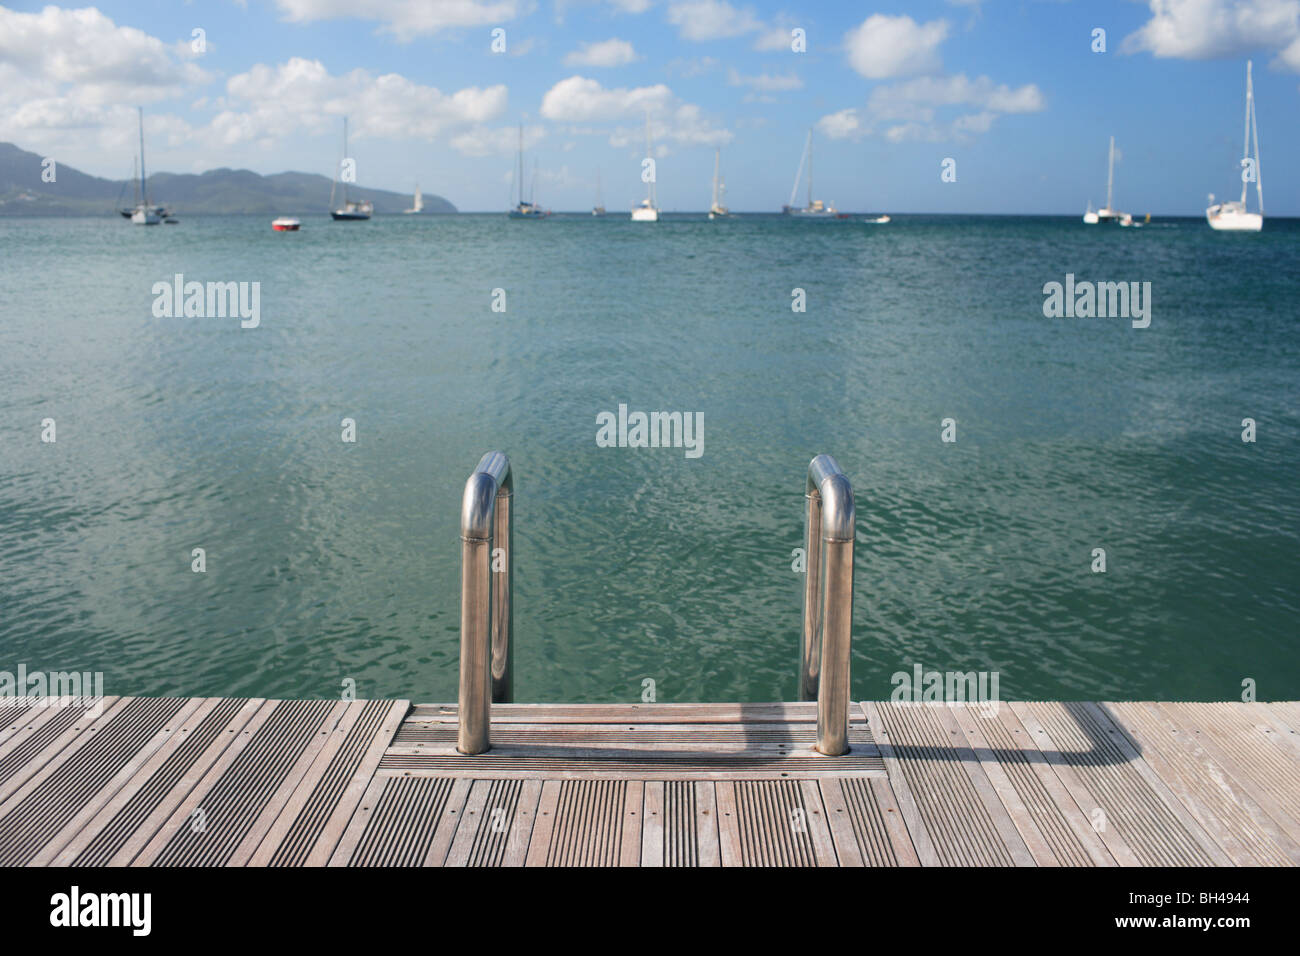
(229, 782)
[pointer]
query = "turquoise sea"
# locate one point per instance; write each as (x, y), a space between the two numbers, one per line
(328, 561)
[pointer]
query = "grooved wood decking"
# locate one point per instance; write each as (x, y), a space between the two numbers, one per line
(226, 782)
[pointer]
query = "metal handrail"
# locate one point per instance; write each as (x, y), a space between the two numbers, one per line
(486, 613)
(828, 602)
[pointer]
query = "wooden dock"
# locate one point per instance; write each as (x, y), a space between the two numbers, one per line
(227, 782)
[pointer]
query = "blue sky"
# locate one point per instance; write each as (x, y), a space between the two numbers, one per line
(1011, 90)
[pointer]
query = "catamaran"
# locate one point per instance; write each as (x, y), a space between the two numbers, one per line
(816, 209)
(418, 204)
(525, 210)
(143, 213)
(716, 209)
(1108, 213)
(1232, 216)
(646, 210)
(350, 211)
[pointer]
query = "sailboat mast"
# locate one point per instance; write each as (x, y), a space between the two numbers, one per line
(345, 159)
(798, 174)
(650, 186)
(1254, 128)
(521, 164)
(144, 195)
(717, 153)
(1110, 175)
(810, 167)
(1245, 146)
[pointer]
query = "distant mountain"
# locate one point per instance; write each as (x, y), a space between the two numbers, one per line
(218, 191)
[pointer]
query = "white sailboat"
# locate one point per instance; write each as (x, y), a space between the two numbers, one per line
(143, 213)
(350, 211)
(816, 209)
(1108, 213)
(1232, 216)
(526, 210)
(418, 205)
(716, 209)
(646, 210)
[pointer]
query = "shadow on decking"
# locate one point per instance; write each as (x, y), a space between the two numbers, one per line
(1099, 743)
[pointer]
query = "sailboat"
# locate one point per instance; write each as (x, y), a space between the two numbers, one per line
(418, 205)
(816, 209)
(716, 209)
(599, 208)
(1232, 216)
(1108, 213)
(143, 213)
(646, 210)
(525, 210)
(350, 211)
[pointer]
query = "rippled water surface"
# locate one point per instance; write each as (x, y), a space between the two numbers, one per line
(328, 561)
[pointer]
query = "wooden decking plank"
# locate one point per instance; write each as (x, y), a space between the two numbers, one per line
(819, 824)
(1062, 820)
(539, 845)
(474, 816)
(1244, 830)
(356, 827)
(633, 819)
(901, 842)
(350, 798)
(41, 738)
(521, 827)
(1157, 785)
(1250, 762)
(1286, 723)
(182, 810)
(708, 847)
(13, 715)
(1062, 763)
(122, 829)
(1146, 816)
(631, 714)
(652, 824)
(35, 813)
(840, 822)
(125, 811)
(968, 827)
(999, 804)
(729, 849)
(921, 840)
(1037, 849)
(305, 772)
(192, 709)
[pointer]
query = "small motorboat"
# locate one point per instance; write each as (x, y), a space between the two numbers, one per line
(876, 220)
(285, 224)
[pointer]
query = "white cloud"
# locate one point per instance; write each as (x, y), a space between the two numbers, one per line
(406, 19)
(1214, 29)
(766, 82)
(612, 52)
(774, 38)
(84, 62)
(268, 103)
(581, 100)
(904, 100)
(909, 110)
(701, 20)
(883, 46)
(846, 124)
